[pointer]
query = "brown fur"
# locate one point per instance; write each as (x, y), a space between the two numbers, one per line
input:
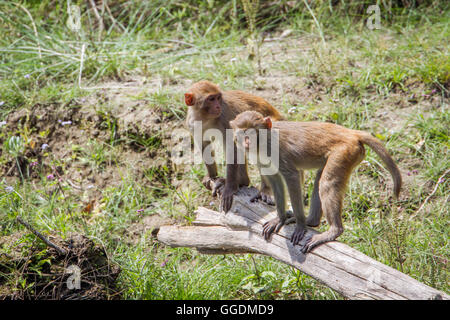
(332, 149)
(231, 104)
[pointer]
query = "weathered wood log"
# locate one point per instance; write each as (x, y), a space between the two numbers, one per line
(338, 266)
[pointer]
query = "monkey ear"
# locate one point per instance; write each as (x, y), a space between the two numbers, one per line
(232, 125)
(268, 122)
(189, 99)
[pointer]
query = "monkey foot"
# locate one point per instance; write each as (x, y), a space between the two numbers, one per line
(264, 197)
(227, 198)
(298, 234)
(312, 222)
(267, 198)
(271, 226)
(290, 217)
(207, 182)
(314, 241)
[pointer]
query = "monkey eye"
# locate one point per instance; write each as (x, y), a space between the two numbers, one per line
(211, 98)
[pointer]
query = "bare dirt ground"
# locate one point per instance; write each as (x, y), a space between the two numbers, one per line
(79, 123)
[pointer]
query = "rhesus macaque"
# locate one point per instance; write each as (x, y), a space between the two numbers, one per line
(332, 149)
(215, 108)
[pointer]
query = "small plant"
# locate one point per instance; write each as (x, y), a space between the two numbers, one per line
(254, 40)
(110, 123)
(15, 147)
(396, 237)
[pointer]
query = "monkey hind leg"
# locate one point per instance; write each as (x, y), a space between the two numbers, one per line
(272, 226)
(320, 238)
(315, 213)
(315, 210)
(331, 192)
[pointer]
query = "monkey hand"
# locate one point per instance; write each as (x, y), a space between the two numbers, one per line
(218, 185)
(227, 198)
(207, 182)
(298, 234)
(213, 184)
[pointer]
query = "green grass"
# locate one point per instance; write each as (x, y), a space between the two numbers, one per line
(392, 82)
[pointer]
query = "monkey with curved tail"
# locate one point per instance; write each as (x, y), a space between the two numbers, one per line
(331, 149)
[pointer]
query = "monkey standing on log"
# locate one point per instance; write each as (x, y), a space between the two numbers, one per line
(215, 109)
(332, 149)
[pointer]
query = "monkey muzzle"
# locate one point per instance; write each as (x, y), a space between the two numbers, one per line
(242, 140)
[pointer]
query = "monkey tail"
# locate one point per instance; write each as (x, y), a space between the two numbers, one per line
(379, 149)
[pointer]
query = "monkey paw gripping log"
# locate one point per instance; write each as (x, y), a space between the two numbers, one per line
(346, 270)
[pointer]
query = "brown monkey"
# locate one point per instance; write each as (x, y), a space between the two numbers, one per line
(215, 108)
(332, 149)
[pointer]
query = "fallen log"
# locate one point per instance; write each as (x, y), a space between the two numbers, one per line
(338, 266)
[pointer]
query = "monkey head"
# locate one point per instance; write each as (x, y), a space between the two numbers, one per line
(206, 99)
(246, 127)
